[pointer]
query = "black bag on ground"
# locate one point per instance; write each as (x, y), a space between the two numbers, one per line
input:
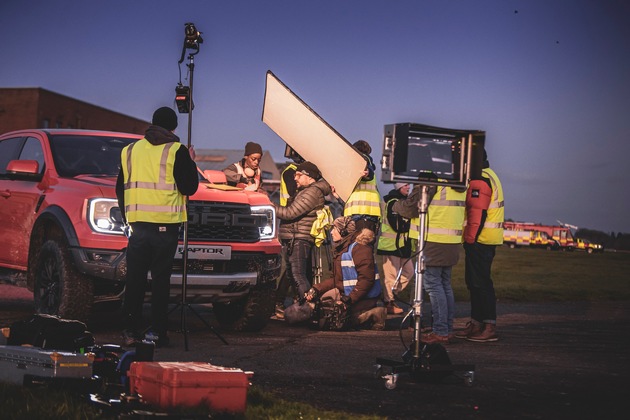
(50, 332)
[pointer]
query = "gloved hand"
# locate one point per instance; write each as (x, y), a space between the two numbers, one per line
(312, 295)
(347, 300)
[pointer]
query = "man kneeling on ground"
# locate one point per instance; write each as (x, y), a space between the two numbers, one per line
(355, 276)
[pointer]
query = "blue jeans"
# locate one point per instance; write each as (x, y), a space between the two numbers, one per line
(436, 281)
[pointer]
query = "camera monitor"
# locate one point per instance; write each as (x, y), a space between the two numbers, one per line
(423, 154)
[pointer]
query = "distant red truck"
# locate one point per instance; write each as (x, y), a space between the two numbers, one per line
(60, 231)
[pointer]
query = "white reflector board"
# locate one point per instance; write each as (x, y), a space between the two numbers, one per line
(312, 137)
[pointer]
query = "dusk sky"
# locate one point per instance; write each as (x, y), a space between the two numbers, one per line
(548, 80)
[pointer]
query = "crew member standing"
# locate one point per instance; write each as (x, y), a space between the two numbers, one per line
(482, 234)
(394, 245)
(296, 222)
(364, 203)
(157, 172)
(444, 230)
(247, 172)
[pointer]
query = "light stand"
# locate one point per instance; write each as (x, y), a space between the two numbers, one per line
(185, 104)
(420, 359)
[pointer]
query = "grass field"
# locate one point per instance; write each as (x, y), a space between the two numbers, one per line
(519, 275)
(537, 275)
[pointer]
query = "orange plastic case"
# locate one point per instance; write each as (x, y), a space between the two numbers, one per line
(173, 384)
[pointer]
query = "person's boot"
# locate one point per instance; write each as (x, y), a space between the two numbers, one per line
(472, 328)
(379, 315)
(488, 334)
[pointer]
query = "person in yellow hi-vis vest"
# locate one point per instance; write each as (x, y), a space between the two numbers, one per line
(364, 203)
(394, 245)
(156, 174)
(482, 234)
(443, 242)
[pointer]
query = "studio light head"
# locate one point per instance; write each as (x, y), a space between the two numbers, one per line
(193, 36)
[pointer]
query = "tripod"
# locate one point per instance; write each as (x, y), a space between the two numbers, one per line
(422, 361)
(183, 304)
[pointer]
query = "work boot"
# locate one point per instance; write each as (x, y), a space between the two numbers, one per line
(379, 316)
(433, 338)
(488, 334)
(472, 328)
(393, 309)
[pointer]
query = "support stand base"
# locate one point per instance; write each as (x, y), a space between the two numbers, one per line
(184, 330)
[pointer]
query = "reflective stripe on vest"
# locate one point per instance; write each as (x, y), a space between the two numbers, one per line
(349, 275)
(284, 192)
(365, 199)
(151, 194)
(445, 220)
(492, 231)
(387, 239)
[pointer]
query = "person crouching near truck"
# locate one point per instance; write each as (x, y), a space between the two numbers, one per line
(355, 280)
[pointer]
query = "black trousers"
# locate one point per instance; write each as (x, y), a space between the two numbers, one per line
(151, 248)
(483, 301)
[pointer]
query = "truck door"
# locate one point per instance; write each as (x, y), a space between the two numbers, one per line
(19, 202)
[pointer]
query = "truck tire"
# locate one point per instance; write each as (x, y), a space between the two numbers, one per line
(251, 313)
(59, 288)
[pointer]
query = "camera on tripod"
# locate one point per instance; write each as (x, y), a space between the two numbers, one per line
(422, 154)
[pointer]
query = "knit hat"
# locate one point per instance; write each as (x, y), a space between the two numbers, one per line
(309, 169)
(399, 185)
(251, 148)
(166, 118)
(345, 225)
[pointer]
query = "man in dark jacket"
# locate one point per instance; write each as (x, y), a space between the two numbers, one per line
(296, 221)
(153, 203)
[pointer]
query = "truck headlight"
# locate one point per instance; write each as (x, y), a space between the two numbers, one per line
(104, 216)
(266, 222)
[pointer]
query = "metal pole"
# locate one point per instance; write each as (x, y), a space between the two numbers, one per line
(420, 268)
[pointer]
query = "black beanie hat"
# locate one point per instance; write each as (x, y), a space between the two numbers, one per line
(166, 118)
(309, 169)
(251, 148)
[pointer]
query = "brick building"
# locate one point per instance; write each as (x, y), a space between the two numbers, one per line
(23, 108)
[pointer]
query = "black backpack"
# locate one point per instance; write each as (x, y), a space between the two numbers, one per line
(50, 332)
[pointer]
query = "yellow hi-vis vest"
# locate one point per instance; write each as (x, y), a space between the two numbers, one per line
(284, 193)
(365, 199)
(445, 221)
(492, 231)
(322, 224)
(151, 194)
(387, 239)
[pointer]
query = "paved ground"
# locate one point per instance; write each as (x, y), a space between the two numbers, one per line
(553, 360)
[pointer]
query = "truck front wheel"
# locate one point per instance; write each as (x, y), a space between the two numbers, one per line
(251, 313)
(59, 288)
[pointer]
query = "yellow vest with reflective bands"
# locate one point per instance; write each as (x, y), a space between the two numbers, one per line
(284, 193)
(445, 221)
(151, 194)
(492, 232)
(365, 199)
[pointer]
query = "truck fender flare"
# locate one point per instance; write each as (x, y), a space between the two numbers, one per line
(61, 218)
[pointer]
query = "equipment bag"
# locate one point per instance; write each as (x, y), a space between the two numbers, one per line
(50, 332)
(331, 314)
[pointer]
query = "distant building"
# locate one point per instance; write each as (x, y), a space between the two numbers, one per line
(219, 159)
(23, 108)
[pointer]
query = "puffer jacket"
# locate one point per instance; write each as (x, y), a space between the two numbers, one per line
(297, 217)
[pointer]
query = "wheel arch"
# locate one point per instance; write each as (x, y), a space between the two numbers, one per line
(52, 223)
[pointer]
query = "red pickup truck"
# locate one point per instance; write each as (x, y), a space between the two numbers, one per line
(61, 231)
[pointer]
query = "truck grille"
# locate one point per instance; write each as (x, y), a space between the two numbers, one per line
(222, 222)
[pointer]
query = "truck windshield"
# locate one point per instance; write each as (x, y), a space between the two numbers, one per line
(87, 155)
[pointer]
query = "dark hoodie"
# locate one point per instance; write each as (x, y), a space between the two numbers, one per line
(184, 168)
